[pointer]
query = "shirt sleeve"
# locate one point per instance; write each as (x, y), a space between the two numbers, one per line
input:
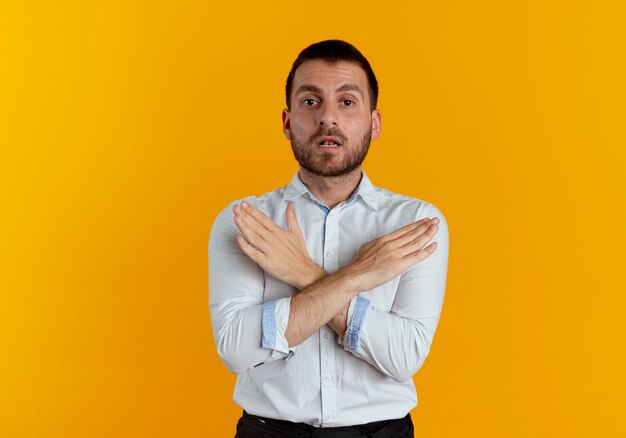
(397, 342)
(247, 331)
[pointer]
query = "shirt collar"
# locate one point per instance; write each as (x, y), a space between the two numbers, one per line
(366, 190)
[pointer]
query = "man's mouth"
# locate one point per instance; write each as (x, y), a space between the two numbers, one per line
(329, 142)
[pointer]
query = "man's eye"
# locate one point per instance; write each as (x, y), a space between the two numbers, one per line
(348, 102)
(309, 102)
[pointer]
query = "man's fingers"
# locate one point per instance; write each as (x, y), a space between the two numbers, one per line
(249, 250)
(422, 253)
(259, 216)
(417, 237)
(251, 230)
(406, 229)
(246, 216)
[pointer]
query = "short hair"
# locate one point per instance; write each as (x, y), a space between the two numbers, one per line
(333, 51)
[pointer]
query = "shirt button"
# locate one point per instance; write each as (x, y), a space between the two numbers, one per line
(326, 335)
(331, 416)
(329, 254)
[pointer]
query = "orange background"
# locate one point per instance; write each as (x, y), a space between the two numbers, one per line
(126, 126)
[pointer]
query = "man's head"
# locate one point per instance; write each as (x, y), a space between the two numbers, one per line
(331, 113)
(333, 51)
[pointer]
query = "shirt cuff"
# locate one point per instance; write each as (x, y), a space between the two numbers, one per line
(356, 314)
(275, 317)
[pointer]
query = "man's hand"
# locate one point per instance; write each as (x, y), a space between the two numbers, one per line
(380, 260)
(281, 253)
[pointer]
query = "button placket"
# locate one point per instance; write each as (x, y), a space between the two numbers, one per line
(328, 378)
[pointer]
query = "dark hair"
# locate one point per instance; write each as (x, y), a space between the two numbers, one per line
(333, 51)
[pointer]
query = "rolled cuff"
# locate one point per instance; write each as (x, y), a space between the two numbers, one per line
(356, 315)
(275, 317)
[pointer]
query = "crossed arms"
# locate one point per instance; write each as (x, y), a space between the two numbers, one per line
(399, 341)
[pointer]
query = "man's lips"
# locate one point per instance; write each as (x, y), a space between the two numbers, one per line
(329, 142)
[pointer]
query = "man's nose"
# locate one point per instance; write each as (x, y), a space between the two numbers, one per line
(327, 115)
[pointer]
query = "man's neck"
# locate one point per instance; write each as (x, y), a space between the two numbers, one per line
(331, 190)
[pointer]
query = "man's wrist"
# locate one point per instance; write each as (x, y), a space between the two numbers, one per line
(312, 275)
(346, 279)
(352, 278)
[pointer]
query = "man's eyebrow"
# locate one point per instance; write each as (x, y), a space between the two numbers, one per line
(308, 87)
(350, 87)
(314, 89)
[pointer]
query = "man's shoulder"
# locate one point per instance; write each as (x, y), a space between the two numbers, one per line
(267, 199)
(224, 222)
(396, 202)
(264, 202)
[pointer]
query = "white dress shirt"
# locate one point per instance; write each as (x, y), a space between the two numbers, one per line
(328, 380)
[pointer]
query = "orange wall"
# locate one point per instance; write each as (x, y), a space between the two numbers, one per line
(126, 126)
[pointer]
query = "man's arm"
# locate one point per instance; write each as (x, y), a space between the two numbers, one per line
(236, 300)
(279, 252)
(397, 342)
(236, 286)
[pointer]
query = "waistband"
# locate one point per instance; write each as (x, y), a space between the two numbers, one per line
(288, 427)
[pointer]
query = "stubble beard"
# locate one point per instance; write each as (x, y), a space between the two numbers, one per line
(317, 163)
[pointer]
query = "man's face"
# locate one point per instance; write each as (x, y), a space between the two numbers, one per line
(330, 123)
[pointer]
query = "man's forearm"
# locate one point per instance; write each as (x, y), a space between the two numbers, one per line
(324, 301)
(339, 322)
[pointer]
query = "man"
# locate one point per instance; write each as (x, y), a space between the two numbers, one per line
(325, 294)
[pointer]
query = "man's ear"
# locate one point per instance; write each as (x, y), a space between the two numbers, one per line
(286, 124)
(377, 122)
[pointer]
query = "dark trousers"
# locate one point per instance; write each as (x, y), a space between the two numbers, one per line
(251, 426)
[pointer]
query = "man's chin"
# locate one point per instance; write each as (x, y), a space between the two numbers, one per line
(329, 171)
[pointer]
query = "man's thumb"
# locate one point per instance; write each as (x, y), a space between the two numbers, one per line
(292, 222)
